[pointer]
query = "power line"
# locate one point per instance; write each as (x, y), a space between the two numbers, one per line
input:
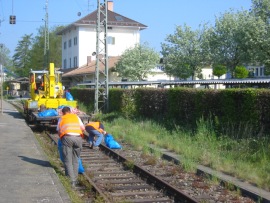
(41, 21)
(12, 8)
(46, 37)
(2, 11)
(78, 4)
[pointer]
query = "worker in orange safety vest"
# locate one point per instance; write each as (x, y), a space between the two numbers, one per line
(70, 130)
(95, 130)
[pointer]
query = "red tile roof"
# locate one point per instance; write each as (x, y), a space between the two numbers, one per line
(114, 20)
(90, 68)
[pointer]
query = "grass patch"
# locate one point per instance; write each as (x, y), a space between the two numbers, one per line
(243, 156)
(235, 152)
(52, 154)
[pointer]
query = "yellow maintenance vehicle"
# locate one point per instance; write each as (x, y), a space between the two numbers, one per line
(46, 93)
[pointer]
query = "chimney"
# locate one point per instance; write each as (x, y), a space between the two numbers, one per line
(89, 59)
(110, 5)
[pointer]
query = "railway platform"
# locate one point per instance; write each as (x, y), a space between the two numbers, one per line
(25, 173)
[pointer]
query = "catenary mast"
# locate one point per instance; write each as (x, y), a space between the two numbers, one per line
(46, 37)
(101, 97)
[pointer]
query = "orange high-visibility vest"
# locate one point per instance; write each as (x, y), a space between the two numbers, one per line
(69, 124)
(95, 125)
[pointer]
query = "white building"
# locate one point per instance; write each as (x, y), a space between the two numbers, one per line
(79, 38)
(158, 74)
(79, 42)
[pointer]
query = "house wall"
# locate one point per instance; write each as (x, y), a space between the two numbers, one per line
(91, 78)
(120, 40)
(69, 49)
(87, 43)
(123, 38)
(256, 71)
(207, 74)
(158, 74)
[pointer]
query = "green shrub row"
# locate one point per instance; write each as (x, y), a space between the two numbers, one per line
(229, 108)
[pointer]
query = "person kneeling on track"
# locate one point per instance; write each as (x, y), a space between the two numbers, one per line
(70, 130)
(96, 132)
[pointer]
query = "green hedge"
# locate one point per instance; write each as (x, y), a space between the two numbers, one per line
(229, 108)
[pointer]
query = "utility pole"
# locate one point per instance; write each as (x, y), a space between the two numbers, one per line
(46, 37)
(101, 97)
(2, 77)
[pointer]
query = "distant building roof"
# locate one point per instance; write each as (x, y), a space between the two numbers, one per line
(21, 80)
(90, 68)
(113, 20)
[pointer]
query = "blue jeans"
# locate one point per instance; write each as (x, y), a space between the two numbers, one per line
(92, 135)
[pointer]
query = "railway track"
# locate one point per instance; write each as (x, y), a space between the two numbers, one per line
(130, 176)
(116, 181)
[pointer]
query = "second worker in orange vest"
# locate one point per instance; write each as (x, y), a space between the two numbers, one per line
(95, 129)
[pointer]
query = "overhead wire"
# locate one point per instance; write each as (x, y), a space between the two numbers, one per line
(88, 6)
(78, 4)
(12, 8)
(2, 18)
(41, 21)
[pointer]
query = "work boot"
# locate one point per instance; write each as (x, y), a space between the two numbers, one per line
(74, 184)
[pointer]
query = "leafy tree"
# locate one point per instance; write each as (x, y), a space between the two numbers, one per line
(219, 70)
(137, 63)
(241, 72)
(261, 8)
(38, 61)
(55, 53)
(183, 52)
(231, 40)
(4, 56)
(267, 68)
(5, 60)
(22, 56)
(261, 40)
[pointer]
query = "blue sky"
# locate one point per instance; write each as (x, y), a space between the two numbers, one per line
(161, 17)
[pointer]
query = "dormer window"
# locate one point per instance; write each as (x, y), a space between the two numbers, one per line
(119, 18)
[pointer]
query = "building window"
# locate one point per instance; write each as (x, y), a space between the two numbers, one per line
(69, 43)
(69, 62)
(261, 71)
(119, 18)
(75, 41)
(65, 63)
(65, 45)
(111, 40)
(75, 62)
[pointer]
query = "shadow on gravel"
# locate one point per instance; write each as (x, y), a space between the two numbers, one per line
(36, 161)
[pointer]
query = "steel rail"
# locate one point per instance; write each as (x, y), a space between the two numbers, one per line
(94, 186)
(158, 183)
